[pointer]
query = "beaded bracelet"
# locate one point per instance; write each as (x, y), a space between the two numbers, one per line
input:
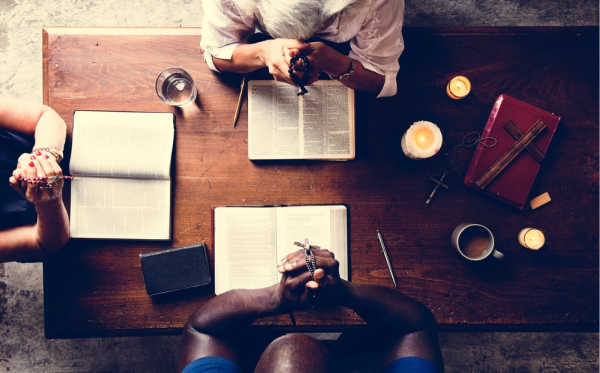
(58, 154)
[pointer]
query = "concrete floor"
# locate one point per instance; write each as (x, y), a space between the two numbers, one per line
(23, 347)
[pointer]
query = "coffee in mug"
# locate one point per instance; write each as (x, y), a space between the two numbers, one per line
(474, 242)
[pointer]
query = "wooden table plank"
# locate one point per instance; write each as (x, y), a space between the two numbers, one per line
(96, 287)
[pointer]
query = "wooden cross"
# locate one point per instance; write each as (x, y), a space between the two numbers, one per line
(516, 134)
(438, 183)
(497, 167)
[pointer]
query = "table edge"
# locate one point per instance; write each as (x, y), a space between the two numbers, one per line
(446, 328)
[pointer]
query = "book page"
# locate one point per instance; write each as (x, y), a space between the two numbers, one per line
(328, 121)
(245, 252)
(122, 144)
(324, 226)
(339, 234)
(317, 125)
(120, 208)
(273, 124)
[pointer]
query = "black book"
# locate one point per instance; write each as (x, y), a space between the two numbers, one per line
(176, 269)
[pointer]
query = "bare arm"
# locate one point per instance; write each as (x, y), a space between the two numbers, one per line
(409, 326)
(392, 312)
(328, 60)
(246, 58)
(51, 231)
(235, 309)
(29, 243)
(207, 329)
(49, 128)
(274, 54)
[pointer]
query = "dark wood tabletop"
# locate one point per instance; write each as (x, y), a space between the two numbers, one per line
(95, 287)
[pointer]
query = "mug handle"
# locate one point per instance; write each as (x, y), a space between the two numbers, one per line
(497, 254)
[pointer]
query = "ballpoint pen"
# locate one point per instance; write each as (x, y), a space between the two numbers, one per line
(239, 102)
(387, 258)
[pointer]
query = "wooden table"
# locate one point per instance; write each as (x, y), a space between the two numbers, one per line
(96, 287)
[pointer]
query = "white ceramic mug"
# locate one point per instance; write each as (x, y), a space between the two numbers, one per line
(474, 242)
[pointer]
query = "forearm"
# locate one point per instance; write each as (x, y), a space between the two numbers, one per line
(387, 308)
(246, 58)
(50, 131)
(18, 244)
(360, 79)
(234, 309)
(32, 242)
(52, 227)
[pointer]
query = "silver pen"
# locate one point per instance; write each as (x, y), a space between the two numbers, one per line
(387, 258)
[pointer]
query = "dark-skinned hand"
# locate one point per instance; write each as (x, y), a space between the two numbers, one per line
(301, 289)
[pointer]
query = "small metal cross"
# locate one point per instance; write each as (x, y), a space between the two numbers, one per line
(438, 183)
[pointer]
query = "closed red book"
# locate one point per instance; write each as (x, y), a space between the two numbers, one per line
(514, 183)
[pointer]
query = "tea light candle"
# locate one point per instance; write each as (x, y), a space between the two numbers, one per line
(532, 238)
(458, 87)
(423, 139)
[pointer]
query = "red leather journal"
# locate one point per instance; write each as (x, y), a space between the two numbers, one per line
(514, 183)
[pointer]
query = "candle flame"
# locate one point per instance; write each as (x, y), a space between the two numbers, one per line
(424, 138)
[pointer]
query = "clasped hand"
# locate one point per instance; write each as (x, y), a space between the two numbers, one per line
(298, 288)
(38, 177)
(278, 52)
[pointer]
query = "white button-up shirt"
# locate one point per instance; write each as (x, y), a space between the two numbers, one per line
(373, 28)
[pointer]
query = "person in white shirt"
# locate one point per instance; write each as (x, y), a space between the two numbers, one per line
(372, 28)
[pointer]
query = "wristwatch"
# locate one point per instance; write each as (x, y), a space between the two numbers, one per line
(346, 74)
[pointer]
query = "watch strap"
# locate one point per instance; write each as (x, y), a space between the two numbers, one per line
(346, 74)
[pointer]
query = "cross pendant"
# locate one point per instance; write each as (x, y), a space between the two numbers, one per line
(438, 183)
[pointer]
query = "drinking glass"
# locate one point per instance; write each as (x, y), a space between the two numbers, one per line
(175, 87)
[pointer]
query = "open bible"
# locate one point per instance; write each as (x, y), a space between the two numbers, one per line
(120, 163)
(317, 125)
(250, 241)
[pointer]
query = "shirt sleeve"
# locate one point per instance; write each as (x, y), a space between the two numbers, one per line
(379, 43)
(224, 27)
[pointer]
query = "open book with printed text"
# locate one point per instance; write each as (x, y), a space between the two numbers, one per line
(317, 125)
(120, 163)
(250, 241)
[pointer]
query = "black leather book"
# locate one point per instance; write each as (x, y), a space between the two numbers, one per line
(176, 269)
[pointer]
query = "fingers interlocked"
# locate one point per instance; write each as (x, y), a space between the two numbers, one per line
(37, 177)
(298, 262)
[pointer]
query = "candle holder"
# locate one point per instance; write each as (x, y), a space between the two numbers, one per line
(458, 87)
(533, 239)
(423, 139)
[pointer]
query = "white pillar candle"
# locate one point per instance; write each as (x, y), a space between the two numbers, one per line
(423, 139)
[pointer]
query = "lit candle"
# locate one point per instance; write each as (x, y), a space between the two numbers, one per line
(458, 87)
(423, 139)
(532, 238)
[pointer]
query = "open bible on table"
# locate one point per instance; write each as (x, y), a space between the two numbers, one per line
(122, 185)
(250, 241)
(317, 125)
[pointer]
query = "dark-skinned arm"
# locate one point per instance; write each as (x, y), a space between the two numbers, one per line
(235, 309)
(208, 329)
(221, 316)
(409, 326)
